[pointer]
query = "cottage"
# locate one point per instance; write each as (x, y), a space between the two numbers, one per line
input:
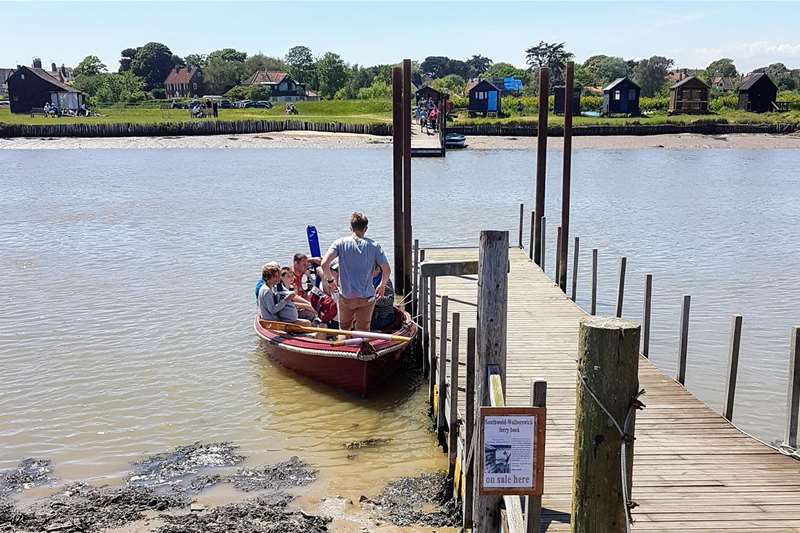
(758, 93)
(184, 82)
(283, 87)
(621, 96)
(426, 92)
(689, 96)
(30, 88)
(484, 98)
(558, 99)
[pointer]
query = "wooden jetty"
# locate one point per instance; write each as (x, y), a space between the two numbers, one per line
(693, 470)
(426, 144)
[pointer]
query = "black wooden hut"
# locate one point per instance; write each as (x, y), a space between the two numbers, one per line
(688, 96)
(621, 96)
(30, 88)
(558, 99)
(484, 98)
(427, 92)
(758, 93)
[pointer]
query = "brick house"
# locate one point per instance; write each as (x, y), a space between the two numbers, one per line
(184, 82)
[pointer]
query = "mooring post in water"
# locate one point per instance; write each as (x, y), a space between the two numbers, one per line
(407, 229)
(793, 390)
(648, 296)
(608, 380)
(733, 366)
(684, 339)
(521, 222)
(533, 505)
(566, 175)
(531, 243)
(432, 337)
(491, 343)
(541, 160)
(594, 281)
(575, 255)
(621, 286)
(468, 466)
(397, 152)
(542, 239)
(423, 303)
(441, 374)
(452, 397)
(557, 262)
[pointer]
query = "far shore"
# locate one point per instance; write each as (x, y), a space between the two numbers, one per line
(320, 140)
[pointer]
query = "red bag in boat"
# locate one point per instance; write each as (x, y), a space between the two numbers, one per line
(326, 309)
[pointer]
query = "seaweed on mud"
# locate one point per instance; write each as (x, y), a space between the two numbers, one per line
(424, 500)
(28, 473)
(280, 476)
(261, 515)
(372, 442)
(81, 507)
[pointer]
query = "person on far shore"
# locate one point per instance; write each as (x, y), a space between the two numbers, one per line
(358, 256)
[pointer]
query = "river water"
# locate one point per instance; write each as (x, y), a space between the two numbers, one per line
(126, 302)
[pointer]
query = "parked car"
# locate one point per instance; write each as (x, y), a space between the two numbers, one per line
(224, 104)
(265, 104)
(241, 104)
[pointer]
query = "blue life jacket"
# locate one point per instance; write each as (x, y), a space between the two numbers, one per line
(258, 288)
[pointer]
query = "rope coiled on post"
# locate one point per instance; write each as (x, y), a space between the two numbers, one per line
(624, 437)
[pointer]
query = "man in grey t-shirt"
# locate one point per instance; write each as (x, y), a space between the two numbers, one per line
(357, 257)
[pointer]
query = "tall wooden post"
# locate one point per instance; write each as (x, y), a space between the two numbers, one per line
(521, 222)
(469, 429)
(621, 287)
(423, 305)
(793, 390)
(541, 160)
(533, 505)
(407, 229)
(557, 264)
(594, 281)
(397, 151)
(576, 253)
(542, 242)
(441, 374)
(452, 396)
(684, 339)
(415, 279)
(432, 337)
(567, 172)
(491, 344)
(648, 296)
(608, 366)
(533, 240)
(733, 366)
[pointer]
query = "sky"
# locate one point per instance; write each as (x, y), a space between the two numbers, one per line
(367, 33)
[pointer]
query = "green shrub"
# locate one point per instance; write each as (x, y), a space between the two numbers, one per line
(655, 103)
(723, 103)
(591, 103)
(238, 93)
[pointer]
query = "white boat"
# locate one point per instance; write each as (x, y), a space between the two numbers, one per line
(454, 140)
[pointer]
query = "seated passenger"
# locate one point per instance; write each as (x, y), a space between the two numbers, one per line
(274, 304)
(383, 314)
(260, 282)
(286, 288)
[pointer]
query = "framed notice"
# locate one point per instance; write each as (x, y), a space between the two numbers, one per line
(512, 450)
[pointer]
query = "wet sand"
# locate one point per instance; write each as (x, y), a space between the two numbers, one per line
(318, 140)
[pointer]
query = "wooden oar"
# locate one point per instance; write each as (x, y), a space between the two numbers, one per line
(297, 328)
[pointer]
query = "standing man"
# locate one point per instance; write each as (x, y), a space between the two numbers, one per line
(357, 255)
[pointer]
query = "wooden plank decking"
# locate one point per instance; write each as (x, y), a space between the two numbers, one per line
(423, 144)
(693, 471)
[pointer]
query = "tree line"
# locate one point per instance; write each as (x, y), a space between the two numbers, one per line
(142, 71)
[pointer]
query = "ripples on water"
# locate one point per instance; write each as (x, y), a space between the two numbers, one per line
(126, 302)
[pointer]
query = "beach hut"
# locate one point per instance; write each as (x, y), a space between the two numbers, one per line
(758, 93)
(688, 96)
(484, 98)
(558, 99)
(621, 96)
(31, 88)
(426, 92)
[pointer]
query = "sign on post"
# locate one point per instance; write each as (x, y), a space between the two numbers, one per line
(512, 450)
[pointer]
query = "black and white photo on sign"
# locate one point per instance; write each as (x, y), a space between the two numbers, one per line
(498, 459)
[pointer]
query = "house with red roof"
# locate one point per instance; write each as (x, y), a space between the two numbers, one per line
(184, 82)
(284, 88)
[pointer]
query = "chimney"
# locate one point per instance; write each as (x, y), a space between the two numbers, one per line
(52, 67)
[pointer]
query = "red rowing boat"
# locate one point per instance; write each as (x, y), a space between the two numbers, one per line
(355, 368)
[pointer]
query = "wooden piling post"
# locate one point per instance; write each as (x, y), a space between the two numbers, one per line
(469, 428)
(541, 159)
(426, 366)
(621, 287)
(397, 166)
(648, 297)
(542, 241)
(684, 339)
(452, 396)
(608, 366)
(531, 243)
(521, 221)
(441, 374)
(415, 280)
(793, 390)
(561, 280)
(491, 346)
(575, 255)
(533, 505)
(406, 114)
(594, 281)
(557, 263)
(432, 338)
(733, 366)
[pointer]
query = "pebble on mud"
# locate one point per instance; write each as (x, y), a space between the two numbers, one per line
(280, 476)
(424, 500)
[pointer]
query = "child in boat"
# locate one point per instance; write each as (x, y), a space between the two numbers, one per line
(273, 304)
(299, 307)
(383, 315)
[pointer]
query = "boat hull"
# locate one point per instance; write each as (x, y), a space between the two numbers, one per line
(356, 369)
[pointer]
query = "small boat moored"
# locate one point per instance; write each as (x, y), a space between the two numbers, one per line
(455, 140)
(358, 365)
